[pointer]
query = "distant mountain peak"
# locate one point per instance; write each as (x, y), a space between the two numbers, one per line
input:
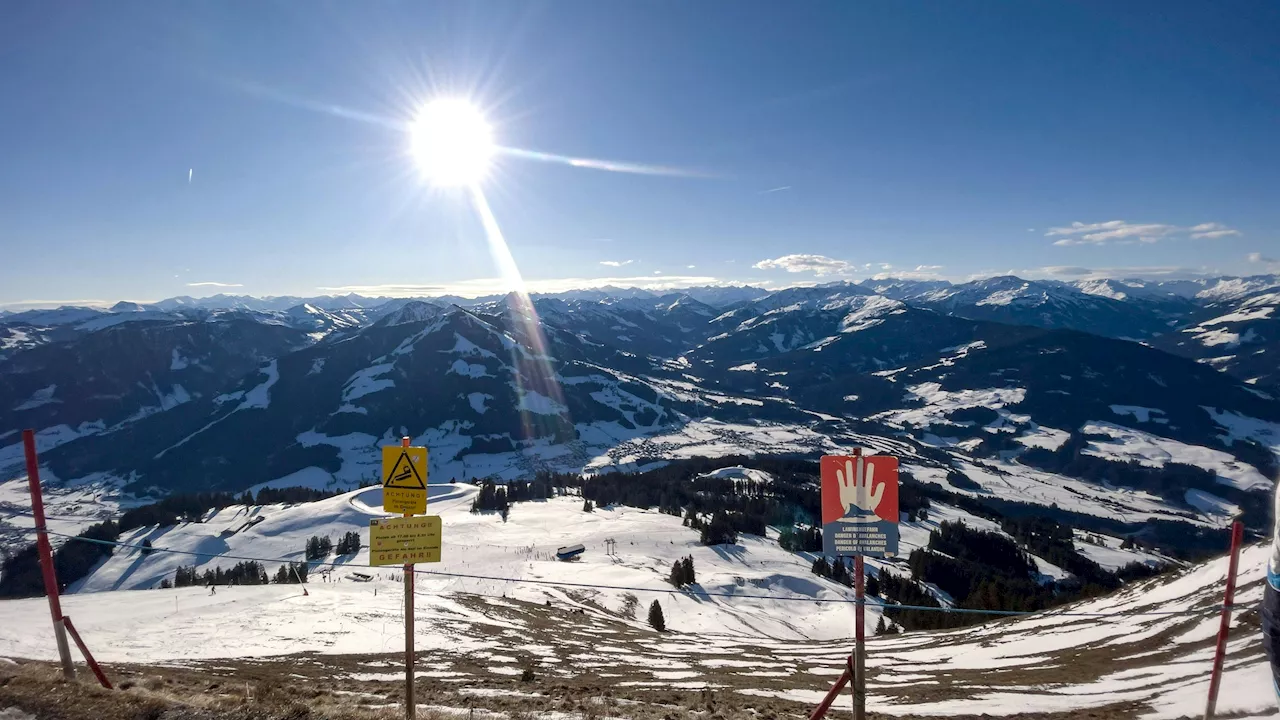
(1106, 287)
(1238, 288)
(413, 311)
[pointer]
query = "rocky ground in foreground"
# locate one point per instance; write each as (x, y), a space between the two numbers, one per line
(583, 666)
(297, 688)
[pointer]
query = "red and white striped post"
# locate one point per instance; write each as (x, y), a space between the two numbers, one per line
(45, 552)
(1215, 679)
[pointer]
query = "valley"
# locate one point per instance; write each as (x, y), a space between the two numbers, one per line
(1091, 430)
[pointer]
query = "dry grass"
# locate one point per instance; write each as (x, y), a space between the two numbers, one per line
(573, 678)
(269, 690)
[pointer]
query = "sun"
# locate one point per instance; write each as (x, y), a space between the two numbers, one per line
(451, 143)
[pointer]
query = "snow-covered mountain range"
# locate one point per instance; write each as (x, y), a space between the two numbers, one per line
(1005, 383)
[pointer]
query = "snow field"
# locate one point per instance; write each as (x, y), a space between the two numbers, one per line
(787, 650)
(647, 544)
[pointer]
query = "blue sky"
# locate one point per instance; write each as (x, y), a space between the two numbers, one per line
(149, 149)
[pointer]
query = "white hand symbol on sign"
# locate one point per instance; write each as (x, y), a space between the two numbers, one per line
(852, 494)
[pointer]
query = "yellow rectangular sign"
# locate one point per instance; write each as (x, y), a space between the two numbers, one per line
(397, 541)
(404, 479)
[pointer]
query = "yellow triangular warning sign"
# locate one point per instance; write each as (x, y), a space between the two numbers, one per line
(404, 474)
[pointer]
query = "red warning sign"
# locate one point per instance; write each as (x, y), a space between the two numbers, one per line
(860, 505)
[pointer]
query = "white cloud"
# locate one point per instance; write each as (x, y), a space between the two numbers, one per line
(1078, 233)
(1212, 230)
(1075, 272)
(921, 272)
(616, 263)
(657, 272)
(496, 286)
(906, 275)
(40, 304)
(689, 267)
(1066, 270)
(409, 289)
(1260, 259)
(816, 264)
(213, 284)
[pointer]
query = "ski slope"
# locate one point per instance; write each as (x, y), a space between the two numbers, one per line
(1127, 659)
(647, 544)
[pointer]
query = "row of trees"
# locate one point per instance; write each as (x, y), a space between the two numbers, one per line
(192, 507)
(349, 544)
(801, 539)
(904, 590)
(319, 546)
(492, 497)
(721, 507)
(1054, 542)
(682, 572)
(722, 528)
(980, 569)
(291, 574)
(536, 489)
(174, 509)
(889, 629)
(837, 571)
(20, 572)
(247, 572)
(288, 496)
(984, 570)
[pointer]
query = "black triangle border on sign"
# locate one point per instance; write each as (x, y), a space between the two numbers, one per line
(404, 456)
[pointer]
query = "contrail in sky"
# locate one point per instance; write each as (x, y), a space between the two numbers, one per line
(268, 93)
(189, 172)
(608, 165)
(774, 190)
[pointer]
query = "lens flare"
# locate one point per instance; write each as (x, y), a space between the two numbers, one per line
(452, 143)
(543, 412)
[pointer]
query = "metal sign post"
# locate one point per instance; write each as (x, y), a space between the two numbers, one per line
(859, 645)
(859, 519)
(46, 553)
(395, 540)
(860, 608)
(410, 704)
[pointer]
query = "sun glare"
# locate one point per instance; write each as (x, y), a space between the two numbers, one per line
(451, 143)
